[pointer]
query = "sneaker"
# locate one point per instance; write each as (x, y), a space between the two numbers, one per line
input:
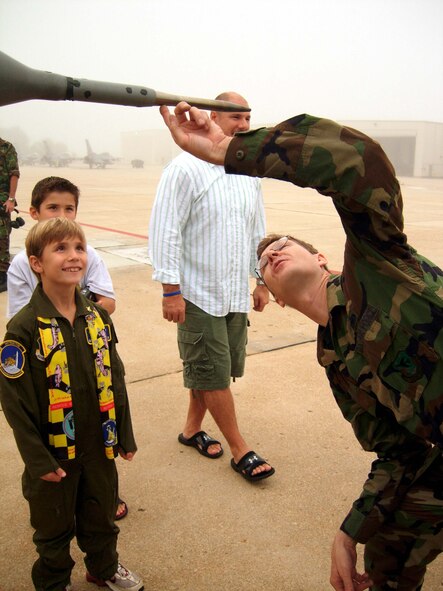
(123, 579)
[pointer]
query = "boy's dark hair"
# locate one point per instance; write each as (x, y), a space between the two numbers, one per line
(49, 185)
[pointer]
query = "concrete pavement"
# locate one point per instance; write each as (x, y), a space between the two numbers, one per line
(194, 523)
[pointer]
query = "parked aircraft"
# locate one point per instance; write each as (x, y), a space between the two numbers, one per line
(54, 159)
(30, 159)
(97, 160)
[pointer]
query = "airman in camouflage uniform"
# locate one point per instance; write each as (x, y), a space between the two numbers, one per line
(9, 174)
(380, 335)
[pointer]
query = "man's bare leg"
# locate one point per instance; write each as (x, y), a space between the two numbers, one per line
(196, 412)
(220, 404)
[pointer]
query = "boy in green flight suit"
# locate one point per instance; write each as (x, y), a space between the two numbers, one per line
(63, 393)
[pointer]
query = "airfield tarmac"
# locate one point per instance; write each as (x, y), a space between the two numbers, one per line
(193, 523)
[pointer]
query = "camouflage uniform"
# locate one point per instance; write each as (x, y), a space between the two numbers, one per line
(8, 168)
(382, 348)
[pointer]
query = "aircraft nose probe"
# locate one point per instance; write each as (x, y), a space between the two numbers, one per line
(20, 83)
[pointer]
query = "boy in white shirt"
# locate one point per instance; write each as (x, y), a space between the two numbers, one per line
(57, 197)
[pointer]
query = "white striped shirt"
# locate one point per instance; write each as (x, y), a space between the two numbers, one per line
(204, 230)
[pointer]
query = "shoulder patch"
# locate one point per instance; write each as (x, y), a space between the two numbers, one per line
(12, 359)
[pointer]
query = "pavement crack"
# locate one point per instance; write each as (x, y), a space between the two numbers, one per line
(170, 373)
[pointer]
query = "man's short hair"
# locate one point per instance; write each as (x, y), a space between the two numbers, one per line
(50, 184)
(49, 231)
(270, 238)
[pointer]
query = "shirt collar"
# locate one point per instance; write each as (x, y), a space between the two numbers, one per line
(47, 309)
(334, 292)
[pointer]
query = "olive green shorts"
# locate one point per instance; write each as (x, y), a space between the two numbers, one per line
(212, 348)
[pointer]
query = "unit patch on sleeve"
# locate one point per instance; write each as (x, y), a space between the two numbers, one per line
(12, 359)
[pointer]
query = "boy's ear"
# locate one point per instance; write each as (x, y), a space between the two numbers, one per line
(33, 212)
(35, 264)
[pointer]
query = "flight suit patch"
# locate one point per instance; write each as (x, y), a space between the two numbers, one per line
(12, 359)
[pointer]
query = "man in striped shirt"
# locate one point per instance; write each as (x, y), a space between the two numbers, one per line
(204, 230)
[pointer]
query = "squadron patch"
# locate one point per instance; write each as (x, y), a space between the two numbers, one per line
(109, 428)
(12, 359)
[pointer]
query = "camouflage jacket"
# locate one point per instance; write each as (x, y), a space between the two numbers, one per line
(8, 167)
(383, 344)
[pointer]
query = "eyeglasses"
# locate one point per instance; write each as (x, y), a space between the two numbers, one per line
(275, 246)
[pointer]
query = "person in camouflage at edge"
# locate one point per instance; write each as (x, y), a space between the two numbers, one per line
(9, 173)
(380, 336)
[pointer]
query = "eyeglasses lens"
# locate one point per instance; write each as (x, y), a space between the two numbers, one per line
(276, 246)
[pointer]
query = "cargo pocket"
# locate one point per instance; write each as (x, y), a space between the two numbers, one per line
(197, 368)
(191, 346)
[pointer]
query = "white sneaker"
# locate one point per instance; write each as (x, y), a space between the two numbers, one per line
(125, 579)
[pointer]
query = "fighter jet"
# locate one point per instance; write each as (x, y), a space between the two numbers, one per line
(30, 159)
(54, 159)
(97, 160)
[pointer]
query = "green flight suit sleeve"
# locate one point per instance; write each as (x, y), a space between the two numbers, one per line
(20, 403)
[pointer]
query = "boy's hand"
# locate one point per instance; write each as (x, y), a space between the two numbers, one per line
(54, 476)
(126, 455)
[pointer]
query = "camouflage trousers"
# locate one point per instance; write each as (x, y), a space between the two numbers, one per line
(5, 231)
(397, 555)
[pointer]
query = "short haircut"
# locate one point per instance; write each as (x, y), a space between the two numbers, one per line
(49, 231)
(50, 184)
(270, 238)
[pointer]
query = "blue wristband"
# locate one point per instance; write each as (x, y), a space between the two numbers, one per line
(172, 293)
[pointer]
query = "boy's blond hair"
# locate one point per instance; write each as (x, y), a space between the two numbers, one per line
(53, 230)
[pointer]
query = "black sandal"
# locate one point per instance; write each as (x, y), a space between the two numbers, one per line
(201, 441)
(248, 463)
(124, 512)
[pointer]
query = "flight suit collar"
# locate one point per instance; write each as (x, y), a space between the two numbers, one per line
(47, 309)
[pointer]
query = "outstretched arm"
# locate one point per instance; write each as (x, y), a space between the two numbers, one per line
(195, 133)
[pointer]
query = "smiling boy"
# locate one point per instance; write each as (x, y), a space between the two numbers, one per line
(63, 393)
(57, 197)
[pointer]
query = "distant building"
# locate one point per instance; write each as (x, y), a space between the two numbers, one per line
(153, 146)
(414, 147)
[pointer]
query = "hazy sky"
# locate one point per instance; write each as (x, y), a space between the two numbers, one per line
(343, 59)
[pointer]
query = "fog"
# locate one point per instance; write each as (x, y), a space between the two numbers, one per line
(346, 59)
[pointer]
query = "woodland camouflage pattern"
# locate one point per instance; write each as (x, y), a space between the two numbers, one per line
(382, 350)
(8, 168)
